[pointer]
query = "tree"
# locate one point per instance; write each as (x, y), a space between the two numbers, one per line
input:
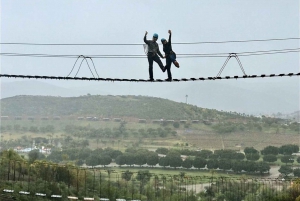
(79, 162)
(104, 160)
(204, 153)
(17, 127)
(224, 164)
(92, 160)
(287, 159)
(85, 143)
(212, 164)
(250, 150)
(162, 150)
(252, 157)
(140, 158)
(143, 175)
(298, 159)
(285, 170)
(186, 152)
(127, 175)
(33, 129)
(237, 166)
(176, 125)
(199, 162)
(152, 158)
(55, 156)
(270, 150)
(174, 159)
(297, 172)
(84, 153)
(187, 163)
(122, 127)
(288, 149)
(121, 160)
(249, 166)
(225, 154)
(163, 161)
(269, 158)
(238, 156)
(35, 155)
(129, 159)
(263, 167)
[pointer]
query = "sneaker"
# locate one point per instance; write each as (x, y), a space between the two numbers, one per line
(168, 80)
(151, 79)
(176, 64)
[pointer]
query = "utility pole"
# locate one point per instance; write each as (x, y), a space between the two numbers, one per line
(186, 96)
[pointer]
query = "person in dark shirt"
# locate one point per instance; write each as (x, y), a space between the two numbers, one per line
(169, 55)
(153, 51)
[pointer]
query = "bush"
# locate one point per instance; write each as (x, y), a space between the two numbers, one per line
(176, 125)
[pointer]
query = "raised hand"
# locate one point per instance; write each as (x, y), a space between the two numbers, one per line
(170, 32)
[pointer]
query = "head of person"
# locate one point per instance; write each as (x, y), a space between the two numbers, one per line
(163, 41)
(155, 37)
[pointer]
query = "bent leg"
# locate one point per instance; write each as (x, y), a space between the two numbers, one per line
(173, 59)
(158, 61)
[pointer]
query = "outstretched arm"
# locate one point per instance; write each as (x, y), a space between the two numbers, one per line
(170, 34)
(145, 37)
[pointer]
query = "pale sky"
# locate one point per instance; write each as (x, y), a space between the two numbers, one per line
(119, 21)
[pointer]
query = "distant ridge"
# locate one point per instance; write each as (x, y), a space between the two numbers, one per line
(251, 98)
(105, 106)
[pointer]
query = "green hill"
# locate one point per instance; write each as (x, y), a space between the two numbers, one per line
(105, 106)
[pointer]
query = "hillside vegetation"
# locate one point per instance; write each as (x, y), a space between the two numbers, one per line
(105, 106)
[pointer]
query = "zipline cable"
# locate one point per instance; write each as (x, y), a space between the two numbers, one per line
(142, 80)
(128, 44)
(188, 55)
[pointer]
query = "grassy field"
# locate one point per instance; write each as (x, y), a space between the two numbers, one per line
(203, 175)
(197, 136)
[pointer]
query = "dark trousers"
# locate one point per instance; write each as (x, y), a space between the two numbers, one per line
(168, 66)
(155, 58)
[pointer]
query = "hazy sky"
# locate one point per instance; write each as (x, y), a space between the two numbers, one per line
(119, 21)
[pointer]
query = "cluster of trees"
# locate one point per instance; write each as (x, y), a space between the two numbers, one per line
(294, 126)
(225, 162)
(229, 127)
(121, 131)
(288, 149)
(285, 170)
(269, 153)
(86, 155)
(22, 129)
(206, 154)
(222, 159)
(253, 124)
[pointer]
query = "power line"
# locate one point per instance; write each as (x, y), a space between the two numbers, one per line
(143, 80)
(131, 44)
(188, 55)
